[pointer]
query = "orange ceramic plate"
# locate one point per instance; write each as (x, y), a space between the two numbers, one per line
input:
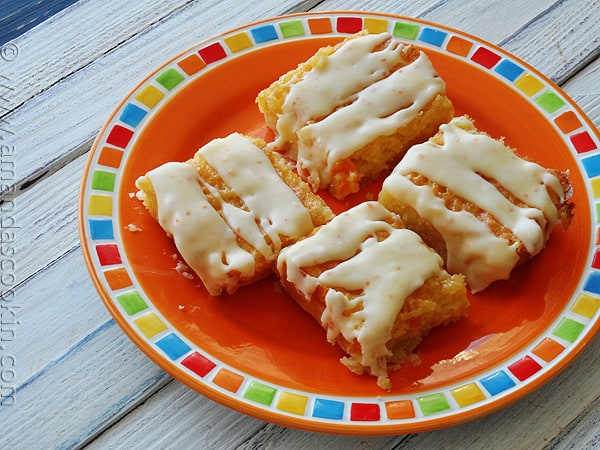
(256, 351)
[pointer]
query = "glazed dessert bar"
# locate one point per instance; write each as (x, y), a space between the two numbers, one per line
(348, 114)
(373, 285)
(230, 209)
(484, 209)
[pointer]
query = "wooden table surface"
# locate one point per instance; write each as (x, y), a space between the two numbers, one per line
(73, 376)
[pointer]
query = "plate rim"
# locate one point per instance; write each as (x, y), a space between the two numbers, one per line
(286, 418)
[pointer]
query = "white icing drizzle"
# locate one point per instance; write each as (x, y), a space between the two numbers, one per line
(323, 87)
(205, 237)
(382, 274)
(359, 98)
(378, 110)
(248, 171)
(243, 222)
(461, 165)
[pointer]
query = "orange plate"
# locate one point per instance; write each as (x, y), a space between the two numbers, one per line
(256, 351)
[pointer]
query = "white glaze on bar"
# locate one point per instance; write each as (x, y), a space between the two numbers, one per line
(382, 274)
(205, 237)
(324, 87)
(359, 97)
(461, 165)
(378, 110)
(248, 171)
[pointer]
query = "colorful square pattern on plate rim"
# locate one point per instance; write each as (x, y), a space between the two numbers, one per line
(263, 398)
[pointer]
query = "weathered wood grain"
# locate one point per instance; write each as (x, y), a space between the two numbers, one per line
(55, 313)
(581, 434)
(203, 423)
(56, 110)
(18, 17)
(491, 21)
(47, 219)
(63, 405)
(537, 412)
(48, 54)
(562, 41)
(80, 380)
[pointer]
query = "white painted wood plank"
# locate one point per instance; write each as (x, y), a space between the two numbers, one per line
(73, 397)
(531, 423)
(56, 310)
(562, 41)
(98, 27)
(204, 425)
(275, 437)
(584, 88)
(493, 21)
(586, 81)
(46, 217)
(60, 123)
(583, 434)
(403, 8)
(592, 106)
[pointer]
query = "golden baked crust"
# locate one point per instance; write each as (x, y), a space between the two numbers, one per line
(319, 212)
(377, 157)
(380, 156)
(440, 300)
(453, 202)
(270, 100)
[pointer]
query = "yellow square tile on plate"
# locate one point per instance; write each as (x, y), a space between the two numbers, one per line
(375, 26)
(150, 96)
(100, 205)
(586, 306)
(238, 42)
(150, 324)
(529, 85)
(468, 394)
(292, 403)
